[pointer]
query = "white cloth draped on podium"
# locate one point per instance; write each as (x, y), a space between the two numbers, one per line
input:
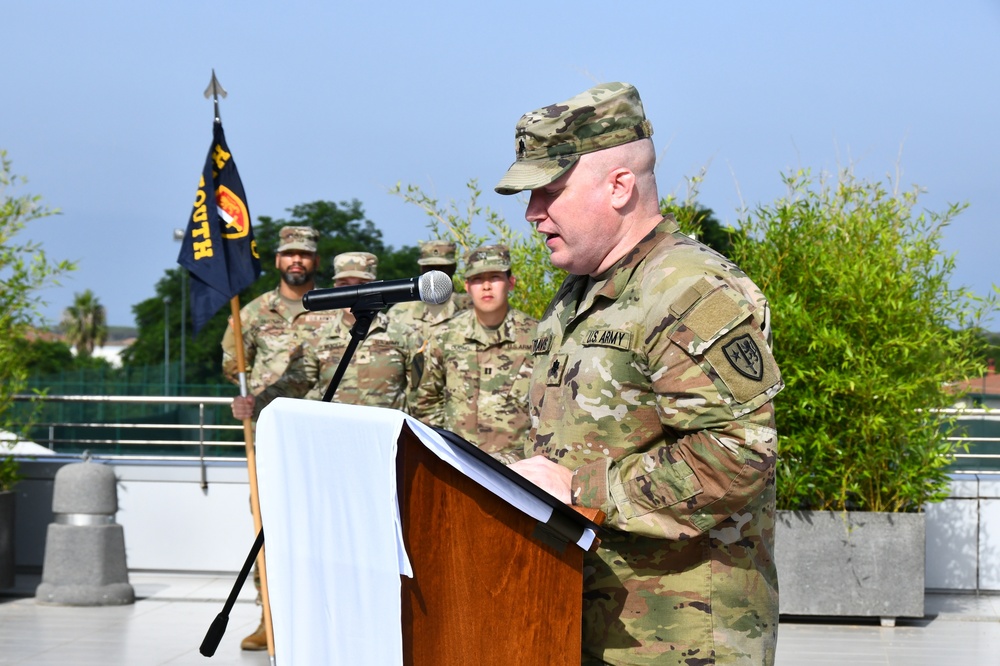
(326, 475)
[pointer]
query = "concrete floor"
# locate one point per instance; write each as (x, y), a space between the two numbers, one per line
(173, 611)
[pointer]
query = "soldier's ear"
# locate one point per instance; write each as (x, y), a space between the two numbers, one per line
(621, 186)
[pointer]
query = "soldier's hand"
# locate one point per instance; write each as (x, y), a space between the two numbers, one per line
(551, 477)
(242, 407)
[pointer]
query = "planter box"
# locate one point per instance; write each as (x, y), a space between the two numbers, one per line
(850, 563)
(6, 538)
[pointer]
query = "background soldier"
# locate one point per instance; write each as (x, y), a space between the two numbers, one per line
(477, 364)
(420, 317)
(376, 375)
(650, 397)
(273, 324)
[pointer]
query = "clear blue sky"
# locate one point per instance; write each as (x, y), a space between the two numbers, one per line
(102, 108)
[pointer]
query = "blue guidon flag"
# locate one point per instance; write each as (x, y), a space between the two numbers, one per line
(218, 249)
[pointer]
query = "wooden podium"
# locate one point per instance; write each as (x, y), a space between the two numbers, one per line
(491, 585)
(496, 561)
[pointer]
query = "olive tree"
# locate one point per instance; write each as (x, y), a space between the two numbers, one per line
(24, 270)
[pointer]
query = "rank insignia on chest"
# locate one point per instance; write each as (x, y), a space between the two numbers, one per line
(743, 354)
(554, 374)
(541, 345)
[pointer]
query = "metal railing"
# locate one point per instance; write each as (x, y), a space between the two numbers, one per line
(138, 430)
(983, 457)
(984, 449)
(201, 427)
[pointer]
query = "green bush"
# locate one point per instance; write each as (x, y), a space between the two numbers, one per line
(869, 336)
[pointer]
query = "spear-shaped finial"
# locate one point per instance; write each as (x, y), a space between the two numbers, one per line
(215, 89)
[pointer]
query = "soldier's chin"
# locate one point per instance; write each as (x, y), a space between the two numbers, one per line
(296, 279)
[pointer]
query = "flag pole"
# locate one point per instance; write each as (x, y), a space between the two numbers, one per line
(213, 90)
(248, 439)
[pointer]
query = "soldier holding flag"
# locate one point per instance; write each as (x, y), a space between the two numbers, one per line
(274, 323)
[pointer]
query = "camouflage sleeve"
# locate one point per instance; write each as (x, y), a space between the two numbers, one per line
(229, 370)
(229, 367)
(299, 377)
(719, 447)
(509, 456)
(427, 402)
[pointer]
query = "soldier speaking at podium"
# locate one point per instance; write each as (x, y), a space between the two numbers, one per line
(650, 397)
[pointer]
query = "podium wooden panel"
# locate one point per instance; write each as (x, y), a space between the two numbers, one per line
(485, 591)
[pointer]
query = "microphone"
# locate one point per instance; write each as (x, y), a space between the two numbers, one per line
(432, 287)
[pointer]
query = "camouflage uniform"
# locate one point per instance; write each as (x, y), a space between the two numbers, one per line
(272, 325)
(653, 382)
(422, 317)
(375, 376)
(475, 379)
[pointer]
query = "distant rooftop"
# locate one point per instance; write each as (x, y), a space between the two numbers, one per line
(987, 385)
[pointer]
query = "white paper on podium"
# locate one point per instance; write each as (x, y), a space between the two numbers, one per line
(484, 476)
(326, 476)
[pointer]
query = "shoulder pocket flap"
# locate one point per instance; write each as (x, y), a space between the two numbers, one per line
(692, 295)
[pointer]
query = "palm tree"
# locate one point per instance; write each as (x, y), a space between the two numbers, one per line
(85, 323)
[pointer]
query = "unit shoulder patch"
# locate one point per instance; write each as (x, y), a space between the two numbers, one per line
(744, 355)
(743, 361)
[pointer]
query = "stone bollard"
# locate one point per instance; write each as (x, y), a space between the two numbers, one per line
(84, 548)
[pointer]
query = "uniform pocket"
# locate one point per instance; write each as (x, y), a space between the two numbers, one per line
(664, 486)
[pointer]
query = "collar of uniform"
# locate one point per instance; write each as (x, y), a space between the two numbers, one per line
(574, 288)
(488, 336)
(273, 298)
(613, 282)
(433, 314)
(276, 304)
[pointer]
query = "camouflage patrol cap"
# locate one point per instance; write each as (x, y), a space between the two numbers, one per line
(437, 253)
(355, 264)
(298, 238)
(550, 140)
(487, 259)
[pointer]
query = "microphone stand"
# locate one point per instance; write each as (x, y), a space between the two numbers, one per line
(363, 317)
(364, 312)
